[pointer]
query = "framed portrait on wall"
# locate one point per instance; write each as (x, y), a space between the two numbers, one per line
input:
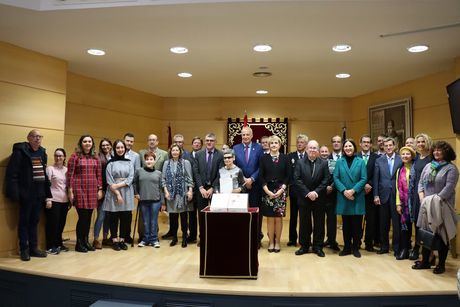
(392, 119)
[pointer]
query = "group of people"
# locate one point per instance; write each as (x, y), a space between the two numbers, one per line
(382, 188)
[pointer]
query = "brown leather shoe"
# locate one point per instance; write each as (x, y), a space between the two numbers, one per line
(97, 244)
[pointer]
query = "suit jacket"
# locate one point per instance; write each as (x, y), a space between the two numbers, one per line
(305, 181)
(199, 167)
(346, 178)
(384, 183)
(251, 168)
(370, 166)
(293, 158)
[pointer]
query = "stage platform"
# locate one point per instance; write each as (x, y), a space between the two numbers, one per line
(169, 276)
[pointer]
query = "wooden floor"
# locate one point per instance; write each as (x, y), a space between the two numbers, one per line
(285, 274)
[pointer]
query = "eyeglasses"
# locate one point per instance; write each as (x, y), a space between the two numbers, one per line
(210, 140)
(226, 158)
(37, 137)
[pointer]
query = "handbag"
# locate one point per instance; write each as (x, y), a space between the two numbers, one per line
(426, 239)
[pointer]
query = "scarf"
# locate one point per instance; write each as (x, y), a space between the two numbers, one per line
(435, 166)
(403, 190)
(175, 182)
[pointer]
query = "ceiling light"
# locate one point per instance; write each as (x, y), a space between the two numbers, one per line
(98, 52)
(262, 74)
(341, 48)
(262, 48)
(417, 48)
(179, 50)
(184, 74)
(342, 75)
(261, 92)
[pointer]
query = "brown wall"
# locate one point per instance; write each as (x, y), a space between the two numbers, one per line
(32, 95)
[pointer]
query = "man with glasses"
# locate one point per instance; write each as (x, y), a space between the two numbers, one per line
(207, 164)
(152, 146)
(27, 183)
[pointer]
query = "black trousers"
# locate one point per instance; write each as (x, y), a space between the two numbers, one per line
(387, 212)
(56, 217)
(331, 220)
(192, 217)
(29, 216)
(122, 219)
(372, 222)
(352, 230)
(405, 237)
(83, 223)
(174, 219)
(293, 214)
(307, 210)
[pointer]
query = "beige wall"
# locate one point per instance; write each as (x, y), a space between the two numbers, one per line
(32, 95)
(319, 118)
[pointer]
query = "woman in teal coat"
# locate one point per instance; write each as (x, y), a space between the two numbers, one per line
(350, 176)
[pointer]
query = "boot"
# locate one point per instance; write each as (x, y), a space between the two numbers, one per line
(88, 246)
(414, 254)
(404, 254)
(80, 247)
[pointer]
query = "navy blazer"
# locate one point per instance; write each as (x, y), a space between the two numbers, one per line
(384, 184)
(251, 168)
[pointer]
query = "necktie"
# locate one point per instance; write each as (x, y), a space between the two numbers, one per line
(301, 156)
(246, 153)
(208, 167)
(366, 157)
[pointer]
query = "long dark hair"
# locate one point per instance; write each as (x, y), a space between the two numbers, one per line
(116, 157)
(101, 154)
(63, 151)
(79, 150)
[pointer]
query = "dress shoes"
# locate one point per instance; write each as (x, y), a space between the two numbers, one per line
(382, 251)
(116, 246)
(184, 243)
(404, 254)
(319, 252)
(356, 253)
(35, 252)
(173, 242)
(24, 254)
(167, 236)
(335, 247)
(345, 252)
(421, 266)
(271, 250)
(191, 240)
(291, 243)
(369, 248)
(301, 251)
(414, 254)
(123, 245)
(88, 246)
(439, 269)
(276, 250)
(63, 248)
(97, 244)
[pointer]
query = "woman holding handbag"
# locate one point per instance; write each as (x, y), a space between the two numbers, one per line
(439, 178)
(177, 182)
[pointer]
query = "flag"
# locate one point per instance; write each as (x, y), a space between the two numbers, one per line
(245, 120)
(344, 133)
(169, 135)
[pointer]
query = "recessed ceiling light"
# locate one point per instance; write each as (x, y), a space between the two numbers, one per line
(179, 50)
(262, 74)
(98, 52)
(343, 75)
(262, 48)
(341, 48)
(184, 74)
(417, 48)
(261, 92)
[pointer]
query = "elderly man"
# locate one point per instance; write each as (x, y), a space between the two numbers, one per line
(247, 156)
(161, 155)
(299, 154)
(311, 176)
(28, 184)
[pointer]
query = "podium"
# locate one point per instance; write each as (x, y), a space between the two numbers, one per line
(228, 244)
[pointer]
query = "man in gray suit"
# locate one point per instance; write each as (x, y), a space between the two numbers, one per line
(205, 169)
(384, 185)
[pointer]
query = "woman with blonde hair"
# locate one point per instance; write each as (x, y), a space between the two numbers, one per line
(274, 176)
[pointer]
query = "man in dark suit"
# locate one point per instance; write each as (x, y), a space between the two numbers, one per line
(384, 186)
(205, 169)
(369, 158)
(247, 156)
(331, 195)
(293, 157)
(311, 176)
